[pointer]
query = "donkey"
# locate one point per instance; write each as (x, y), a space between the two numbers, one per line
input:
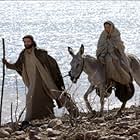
(96, 76)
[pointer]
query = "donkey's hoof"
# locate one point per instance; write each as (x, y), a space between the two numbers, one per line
(99, 114)
(109, 117)
(93, 112)
(118, 114)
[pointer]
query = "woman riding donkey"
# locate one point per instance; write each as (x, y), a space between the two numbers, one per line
(110, 52)
(110, 69)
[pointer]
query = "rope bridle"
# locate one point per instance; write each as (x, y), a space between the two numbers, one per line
(81, 68)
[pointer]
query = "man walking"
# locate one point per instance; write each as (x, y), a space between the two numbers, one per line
(42, 76)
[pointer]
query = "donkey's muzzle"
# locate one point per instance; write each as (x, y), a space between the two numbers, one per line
(72, 78)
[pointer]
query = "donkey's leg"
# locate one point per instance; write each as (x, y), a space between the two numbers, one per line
(102, 92)
(90, 89)
(119, 112)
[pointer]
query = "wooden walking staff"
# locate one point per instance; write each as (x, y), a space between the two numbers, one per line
(2, 90)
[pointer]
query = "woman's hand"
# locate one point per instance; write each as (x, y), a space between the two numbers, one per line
(108, 36)
(101, 59)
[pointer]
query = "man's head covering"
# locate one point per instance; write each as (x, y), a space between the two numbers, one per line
(31, 38)
(28, 36)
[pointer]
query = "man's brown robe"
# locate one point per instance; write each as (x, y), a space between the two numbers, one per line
(42, 104)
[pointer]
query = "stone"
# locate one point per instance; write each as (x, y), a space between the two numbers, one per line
(104, 138)
(5, 138)
(79, 136)
(138, 126)
(36, 137)
(53, 133)
(112, 137)
(32, 133)
(116, 129)
(4, 133)
(102, 124)
(91, 134)
(135, 136)
(95, 137)
(20, 137)
(19, 133)
(44, 126)
(119, 119)
(126, 118)
(117, 138)
(120, 132)
(55, 123)
(8, 129)
(99, 120)
(130, 138)
(133, 130)
(54, 138)
(123, 124)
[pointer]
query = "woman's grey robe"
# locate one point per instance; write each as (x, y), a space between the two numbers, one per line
(110, 52)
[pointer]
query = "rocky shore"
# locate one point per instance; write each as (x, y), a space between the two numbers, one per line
(86, 127)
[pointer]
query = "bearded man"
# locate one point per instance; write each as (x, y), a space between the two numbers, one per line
(42, 76)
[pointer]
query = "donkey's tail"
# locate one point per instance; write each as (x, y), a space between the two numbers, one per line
(135, 67)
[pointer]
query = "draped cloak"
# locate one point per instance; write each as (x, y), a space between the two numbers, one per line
(110, 52)
(42, 76)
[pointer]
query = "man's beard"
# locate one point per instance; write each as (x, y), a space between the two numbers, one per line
(29, 46)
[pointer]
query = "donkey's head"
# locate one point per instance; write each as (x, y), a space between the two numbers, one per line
(77, 64)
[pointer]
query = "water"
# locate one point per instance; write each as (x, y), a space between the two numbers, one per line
(56, 25)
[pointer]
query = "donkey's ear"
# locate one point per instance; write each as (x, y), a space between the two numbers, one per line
(70, 50)
(81, 51)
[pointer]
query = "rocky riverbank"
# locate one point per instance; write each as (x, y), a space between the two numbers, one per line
(86, 127)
